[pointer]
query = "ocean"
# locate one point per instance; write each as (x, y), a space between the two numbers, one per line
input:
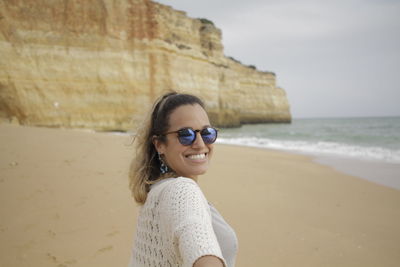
(376, 139)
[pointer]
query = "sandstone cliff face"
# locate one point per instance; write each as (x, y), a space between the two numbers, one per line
(96, 63)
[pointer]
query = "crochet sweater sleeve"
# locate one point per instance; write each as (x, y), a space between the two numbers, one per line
(188, 221)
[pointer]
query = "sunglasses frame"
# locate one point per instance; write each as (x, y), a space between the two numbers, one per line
(195, 134)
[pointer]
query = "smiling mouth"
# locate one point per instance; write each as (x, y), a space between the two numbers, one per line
(197, 156)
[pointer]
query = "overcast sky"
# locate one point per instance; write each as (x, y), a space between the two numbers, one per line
(336, 58)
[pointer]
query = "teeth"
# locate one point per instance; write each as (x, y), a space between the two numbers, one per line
(197, 156)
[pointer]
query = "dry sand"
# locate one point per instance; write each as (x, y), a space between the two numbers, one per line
(65, 202)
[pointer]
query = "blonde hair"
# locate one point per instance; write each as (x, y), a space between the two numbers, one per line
(145, 166)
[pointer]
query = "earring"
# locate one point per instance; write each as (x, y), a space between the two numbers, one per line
(163, 166)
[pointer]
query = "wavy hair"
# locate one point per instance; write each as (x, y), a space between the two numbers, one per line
(145, 166)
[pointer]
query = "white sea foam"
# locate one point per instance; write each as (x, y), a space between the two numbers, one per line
(316, 148)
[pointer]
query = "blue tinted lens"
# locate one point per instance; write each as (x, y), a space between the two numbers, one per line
(209, 135)
(186, 136)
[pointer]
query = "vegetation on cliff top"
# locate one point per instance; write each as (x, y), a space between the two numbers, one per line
(206, 21)
(251, 66)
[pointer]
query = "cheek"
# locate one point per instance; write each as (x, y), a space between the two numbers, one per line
(174, 152)
(210, 150)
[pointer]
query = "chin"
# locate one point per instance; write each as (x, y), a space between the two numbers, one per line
(195, 173)
(200, 172)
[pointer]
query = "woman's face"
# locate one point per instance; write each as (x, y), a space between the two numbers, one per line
(188, 161)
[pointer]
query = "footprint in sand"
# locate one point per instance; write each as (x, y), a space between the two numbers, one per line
(56, 216)
(68, 161)
(105, 249)
(13, 164)
(52, 233)
(113, 233)
(81, 202)
(53, 259)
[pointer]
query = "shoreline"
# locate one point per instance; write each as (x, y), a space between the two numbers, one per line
(376, 171)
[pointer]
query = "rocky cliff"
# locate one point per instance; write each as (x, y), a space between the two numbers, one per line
(98, 63)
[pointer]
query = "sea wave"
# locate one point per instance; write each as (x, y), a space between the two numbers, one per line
(317, 148)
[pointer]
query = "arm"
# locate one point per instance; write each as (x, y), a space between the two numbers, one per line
(188, 218)
(208, 261)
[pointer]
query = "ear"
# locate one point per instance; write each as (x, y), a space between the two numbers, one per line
(160, 146)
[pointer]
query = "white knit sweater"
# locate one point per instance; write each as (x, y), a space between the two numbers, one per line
(174, 226)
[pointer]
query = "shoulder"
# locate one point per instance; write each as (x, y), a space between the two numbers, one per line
(180, 180)
(173, 184)
(171, 189)
(180, 187)
(184, 196)
(175, 189)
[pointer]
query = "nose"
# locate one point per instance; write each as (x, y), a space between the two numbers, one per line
(198, 143)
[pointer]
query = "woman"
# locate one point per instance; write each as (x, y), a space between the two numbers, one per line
(176, 225)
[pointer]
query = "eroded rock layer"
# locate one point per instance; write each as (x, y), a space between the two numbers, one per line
(99, 63)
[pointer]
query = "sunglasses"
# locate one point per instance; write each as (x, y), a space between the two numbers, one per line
(187, 136)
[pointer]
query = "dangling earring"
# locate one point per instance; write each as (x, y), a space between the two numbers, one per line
(163, 166)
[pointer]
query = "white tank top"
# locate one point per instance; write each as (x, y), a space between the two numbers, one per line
(226, 237)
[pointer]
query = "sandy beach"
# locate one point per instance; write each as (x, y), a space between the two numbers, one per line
(65, 202)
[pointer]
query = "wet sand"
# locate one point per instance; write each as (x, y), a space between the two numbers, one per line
(384, 173)
(65, 202)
